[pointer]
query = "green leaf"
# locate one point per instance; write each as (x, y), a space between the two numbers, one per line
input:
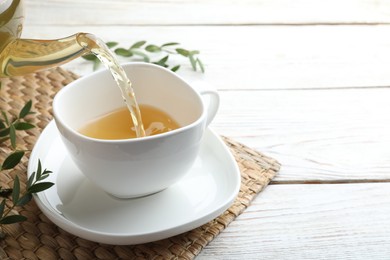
(24, 199)
(193, 62)
(41, 186)
(12, 219)
(5, 117)
(31, 180)
(4, 132)
(137, 45)
(169, 44)
(12, 136)
(43, 176)
(183, 52)
(16, 190)
(90, 57)
(200, 65)
(152, 48)
(39, 170)
(111, 44)
(143, 55)
(23, 126)
(46, 172)
(163, 60)
(2, 206)
(123, 52)
(176, 68)
(26, 109)
(96, 64)
(2, 125)
(12, 160)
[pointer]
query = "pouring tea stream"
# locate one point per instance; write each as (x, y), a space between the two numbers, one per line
(22, 56)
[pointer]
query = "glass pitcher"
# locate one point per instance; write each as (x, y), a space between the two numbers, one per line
(22, 56)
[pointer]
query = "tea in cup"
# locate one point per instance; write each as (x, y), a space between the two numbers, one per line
(118, 124)
(122, 165)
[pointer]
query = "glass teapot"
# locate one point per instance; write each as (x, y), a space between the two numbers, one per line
(22, 56)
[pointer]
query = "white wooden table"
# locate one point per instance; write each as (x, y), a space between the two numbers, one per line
(306, 82)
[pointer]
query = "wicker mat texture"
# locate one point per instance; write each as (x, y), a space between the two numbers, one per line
(39, 238)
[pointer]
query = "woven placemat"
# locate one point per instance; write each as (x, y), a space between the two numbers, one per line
(39, 238)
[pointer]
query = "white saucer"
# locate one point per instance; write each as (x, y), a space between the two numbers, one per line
(77, 206)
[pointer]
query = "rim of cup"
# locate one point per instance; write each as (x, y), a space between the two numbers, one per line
(58, 117)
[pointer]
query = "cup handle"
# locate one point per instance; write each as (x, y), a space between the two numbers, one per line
(212, 105)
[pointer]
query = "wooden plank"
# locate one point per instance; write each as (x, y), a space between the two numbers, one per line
(343, 221)
(122, 12)
(323, 135)
(261, 57)
(317, 135)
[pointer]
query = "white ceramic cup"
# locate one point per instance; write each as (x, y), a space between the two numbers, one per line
(134, 167)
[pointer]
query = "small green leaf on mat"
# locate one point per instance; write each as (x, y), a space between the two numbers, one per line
(12, 160)
(12, 219)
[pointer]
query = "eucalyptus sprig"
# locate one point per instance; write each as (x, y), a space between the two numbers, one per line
(148, 52)
(8, 128)
(35, 184)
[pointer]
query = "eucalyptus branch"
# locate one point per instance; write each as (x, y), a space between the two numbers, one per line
(8, 129)
(146, 52)
(35, 184)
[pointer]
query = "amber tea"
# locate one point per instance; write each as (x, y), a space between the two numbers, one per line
(118, 124)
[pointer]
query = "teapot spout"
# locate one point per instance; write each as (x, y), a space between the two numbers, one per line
(23, 56)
